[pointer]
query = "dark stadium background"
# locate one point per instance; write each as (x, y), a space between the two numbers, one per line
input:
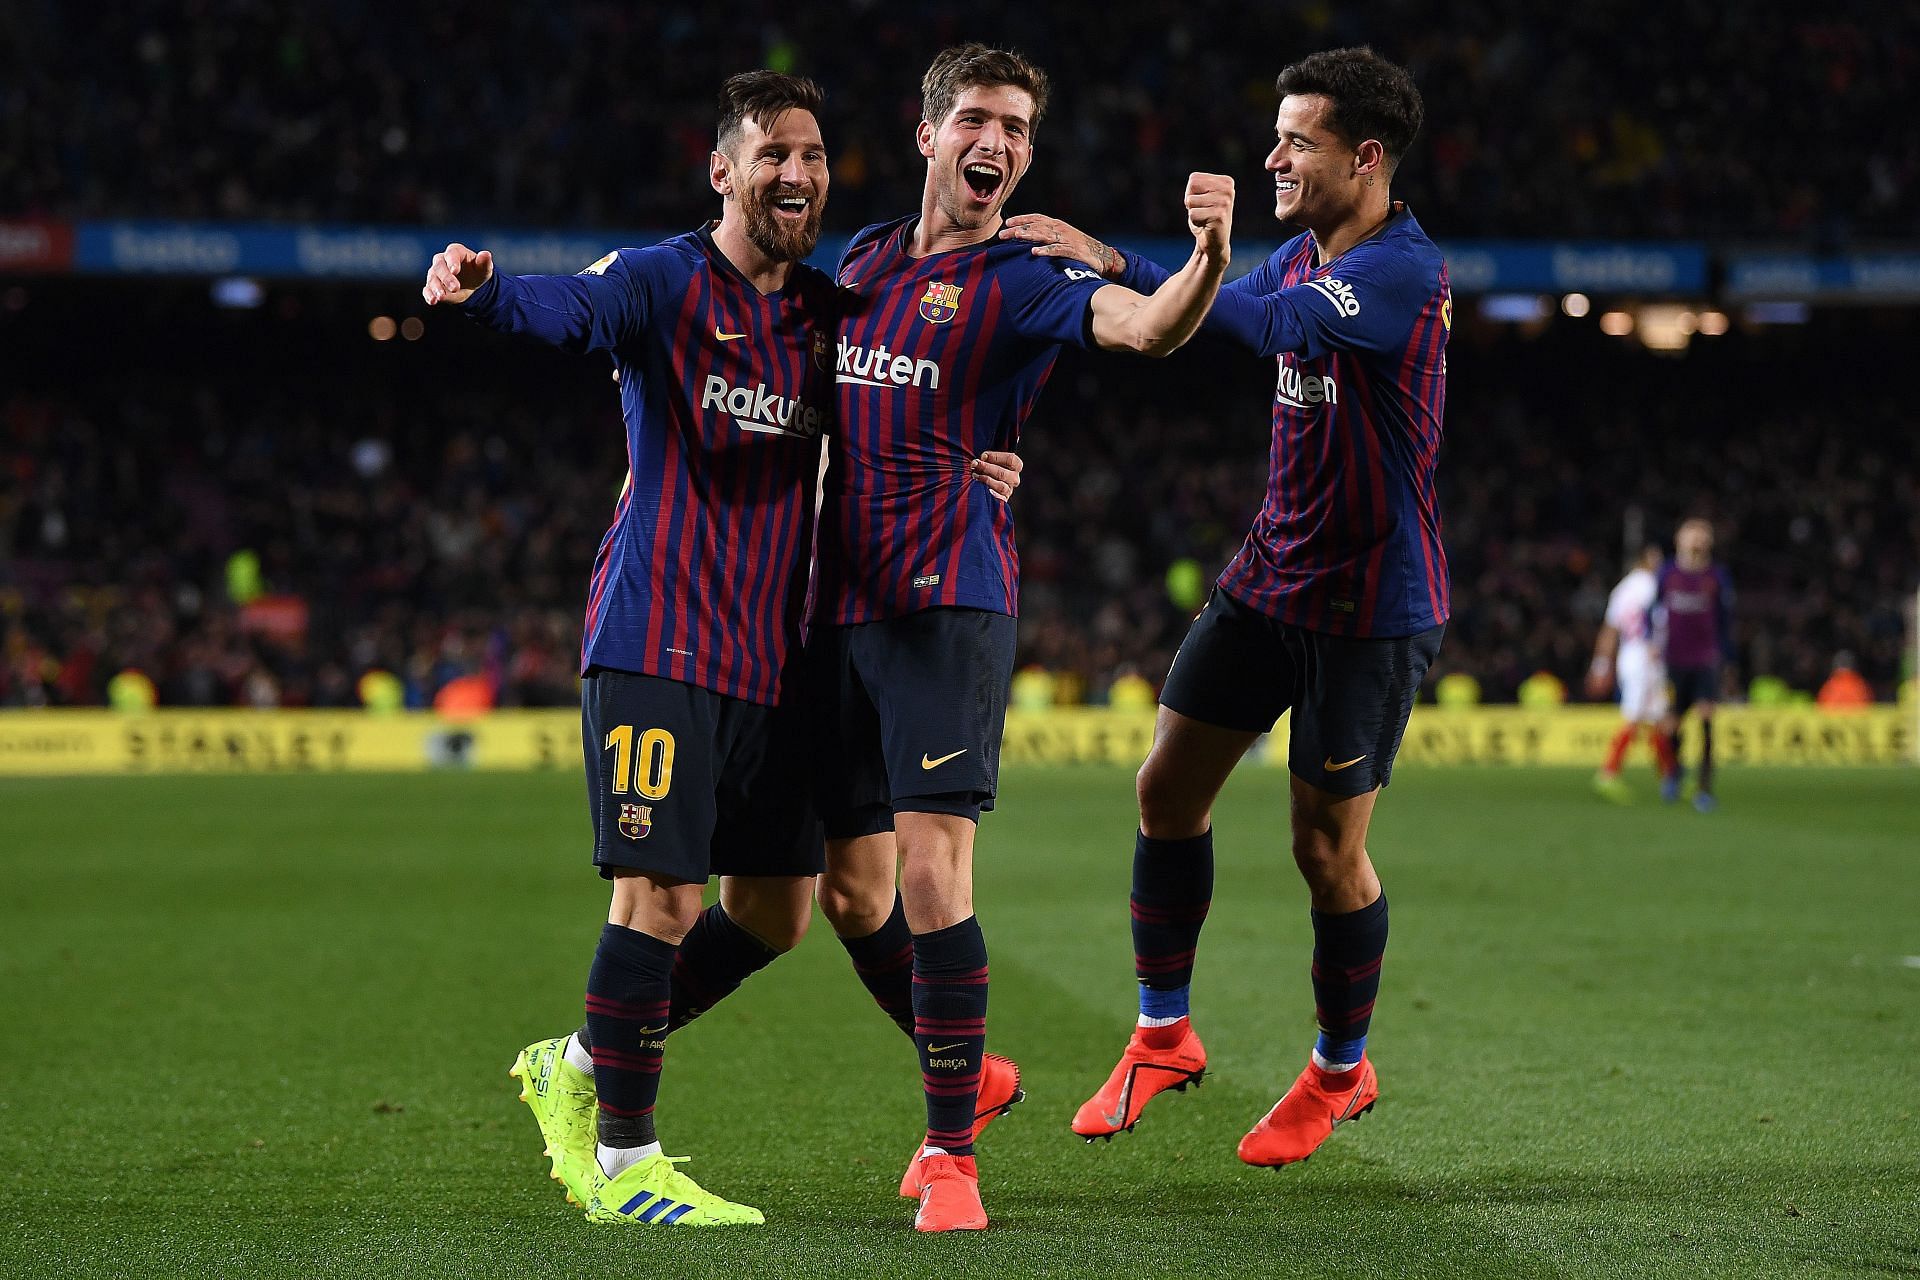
(433, 504)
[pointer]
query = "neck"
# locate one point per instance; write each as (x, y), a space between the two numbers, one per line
(937, 233)
(1360, 222)
(764, 273)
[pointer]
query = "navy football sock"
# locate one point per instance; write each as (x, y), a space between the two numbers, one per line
(1347, 950)
(1706, 757)
(1172, 888)
(950, 1029)
(884, 961)
(628, 995)
(715, 957)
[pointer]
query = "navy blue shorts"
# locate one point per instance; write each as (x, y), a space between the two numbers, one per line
(688, 783)
(907, 716)
(1240, 669)
(1692, 685)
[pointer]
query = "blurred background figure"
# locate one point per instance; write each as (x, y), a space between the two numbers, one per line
(1694, 597)
(1627, 654)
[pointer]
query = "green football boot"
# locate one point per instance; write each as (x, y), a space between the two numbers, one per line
(653, 1192)
(561, 1097)
(1611, 786)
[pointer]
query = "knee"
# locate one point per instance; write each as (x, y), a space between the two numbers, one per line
(1167, 811)
(1319, 856)
(783, 930)
(776, 913)
(853, 908)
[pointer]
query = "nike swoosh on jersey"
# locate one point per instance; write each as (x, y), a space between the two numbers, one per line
(927, 762)
(726, 337)
(1331, 767)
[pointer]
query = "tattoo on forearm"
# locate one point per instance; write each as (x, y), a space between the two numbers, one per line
(1112, 264)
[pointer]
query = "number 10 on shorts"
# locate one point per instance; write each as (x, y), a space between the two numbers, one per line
(647, 771)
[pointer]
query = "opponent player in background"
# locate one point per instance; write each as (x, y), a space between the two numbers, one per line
(721, 340)
(1334, 607)
(1695, 598)
(949, 336)
(1627, 652)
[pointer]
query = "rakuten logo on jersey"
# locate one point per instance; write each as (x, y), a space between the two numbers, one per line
(1339, 293)
(879, 367)
(1304, 391)
(757, 409)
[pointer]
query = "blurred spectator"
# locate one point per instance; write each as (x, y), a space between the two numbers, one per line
(1635, 118)
(1844, 690)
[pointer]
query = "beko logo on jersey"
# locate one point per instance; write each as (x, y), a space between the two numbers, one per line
(879, 367)
(1304, 391)
(1078, 273)
(1339, 293)
(757, 409)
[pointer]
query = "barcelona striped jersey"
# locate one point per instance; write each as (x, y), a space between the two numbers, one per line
(1347, 541)
(939, 359)
(725, 391)
(1697, 605)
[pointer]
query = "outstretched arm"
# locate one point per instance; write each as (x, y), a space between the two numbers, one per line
(1157, 324)
(592, 311)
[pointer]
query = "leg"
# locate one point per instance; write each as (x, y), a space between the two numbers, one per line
(1703, 796)
(758, 919)
(1345, 736)
(628, 997)
(949, 971)
(1173, 863)
(859, 899)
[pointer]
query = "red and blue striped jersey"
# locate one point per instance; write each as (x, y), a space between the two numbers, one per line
(939, 359)
(702, 576)
(1348, 538)
(1697, 605)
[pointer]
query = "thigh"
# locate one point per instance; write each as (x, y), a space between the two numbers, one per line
(653, 749)
(1691, 685)
(849, 774)
(766, 825)
(1234, 670)
(939, 681)
(1359, 694)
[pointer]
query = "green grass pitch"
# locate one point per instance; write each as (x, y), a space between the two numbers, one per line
(261, 1026)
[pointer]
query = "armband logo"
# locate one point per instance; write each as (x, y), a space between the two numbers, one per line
(1339, 293)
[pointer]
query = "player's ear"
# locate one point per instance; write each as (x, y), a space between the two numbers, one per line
(923, 138)
(1370, 159)
(720, 173)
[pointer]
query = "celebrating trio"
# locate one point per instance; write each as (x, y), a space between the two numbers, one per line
(810, 707)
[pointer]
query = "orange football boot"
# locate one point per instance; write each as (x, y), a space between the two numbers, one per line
(1143, 1072)
(949, 1195)
(1318, 1103)
(999, 1091)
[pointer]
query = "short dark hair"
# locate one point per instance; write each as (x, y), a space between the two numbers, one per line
(1371, 97)
(760, 96)
(979, 66)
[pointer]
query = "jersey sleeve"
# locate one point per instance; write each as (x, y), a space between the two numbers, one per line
(1051, 299)
(596, 310)
(1371, 306)
(1619, 608)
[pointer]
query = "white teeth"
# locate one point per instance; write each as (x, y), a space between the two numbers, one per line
(984, 170)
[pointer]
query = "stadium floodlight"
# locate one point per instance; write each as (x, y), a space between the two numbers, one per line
(1575, 305)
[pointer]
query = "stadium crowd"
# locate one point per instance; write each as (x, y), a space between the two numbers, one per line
(268, 531)
(1638, 118)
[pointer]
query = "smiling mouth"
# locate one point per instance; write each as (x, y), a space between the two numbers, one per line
(1285, 186)
(791, 205)
(983, 180)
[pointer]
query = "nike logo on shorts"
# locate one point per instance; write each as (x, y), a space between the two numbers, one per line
(1331, 767)
(927, 762)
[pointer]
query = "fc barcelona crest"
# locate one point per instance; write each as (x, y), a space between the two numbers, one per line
(822, 351)
(940, 303)
(636, 820)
